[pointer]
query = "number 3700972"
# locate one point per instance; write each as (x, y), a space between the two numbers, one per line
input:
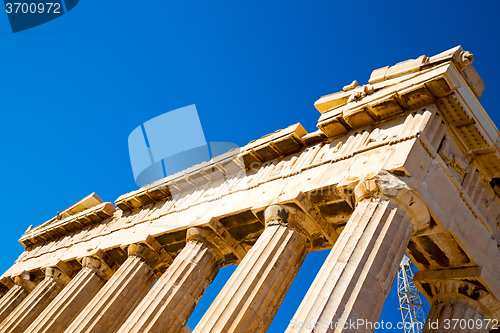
(25, 8)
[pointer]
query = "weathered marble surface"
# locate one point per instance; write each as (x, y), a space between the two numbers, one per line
(418, 123)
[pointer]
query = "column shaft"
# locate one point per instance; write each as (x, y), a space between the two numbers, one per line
(68, 303)
(359, 271)
(109, 308)
(250, 299)
(453, 313)
(11, 299)
(169, 304)
(35, 302)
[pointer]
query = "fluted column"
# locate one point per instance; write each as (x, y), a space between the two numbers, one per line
(460, 306)
(352, 284)
(35, 302)
(16, 294)
(74, 297)
(169, 304)
(109, 308)
(250, 299)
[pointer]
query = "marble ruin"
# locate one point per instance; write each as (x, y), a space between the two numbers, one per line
(408, 163)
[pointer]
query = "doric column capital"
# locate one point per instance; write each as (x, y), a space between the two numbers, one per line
(465, 285)
(208, 238)
(290, 217)
(138, 250)
(463, 292)
(57, 275)
(99, 266)
(152, 253)
(7, 282)
(24, 280)
(385, 185)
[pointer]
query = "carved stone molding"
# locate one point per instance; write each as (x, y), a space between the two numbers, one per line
(463, 59)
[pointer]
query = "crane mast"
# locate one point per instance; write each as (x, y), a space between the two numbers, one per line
(410, 301)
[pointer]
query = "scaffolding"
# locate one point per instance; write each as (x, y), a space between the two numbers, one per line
(410, 300)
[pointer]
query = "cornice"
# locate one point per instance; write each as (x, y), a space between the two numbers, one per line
(59, 228)
(235, 162)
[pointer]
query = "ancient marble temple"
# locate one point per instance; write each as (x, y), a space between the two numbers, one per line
(408, 163)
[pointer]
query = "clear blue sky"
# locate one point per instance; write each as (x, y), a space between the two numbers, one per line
(73, 89)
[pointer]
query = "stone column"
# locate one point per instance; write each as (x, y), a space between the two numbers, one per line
(109, 308)
(169, 304)
(74, 297)
(35, 302)
(349, 291)
(460, 306)
(250, 299)
(16, 294)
